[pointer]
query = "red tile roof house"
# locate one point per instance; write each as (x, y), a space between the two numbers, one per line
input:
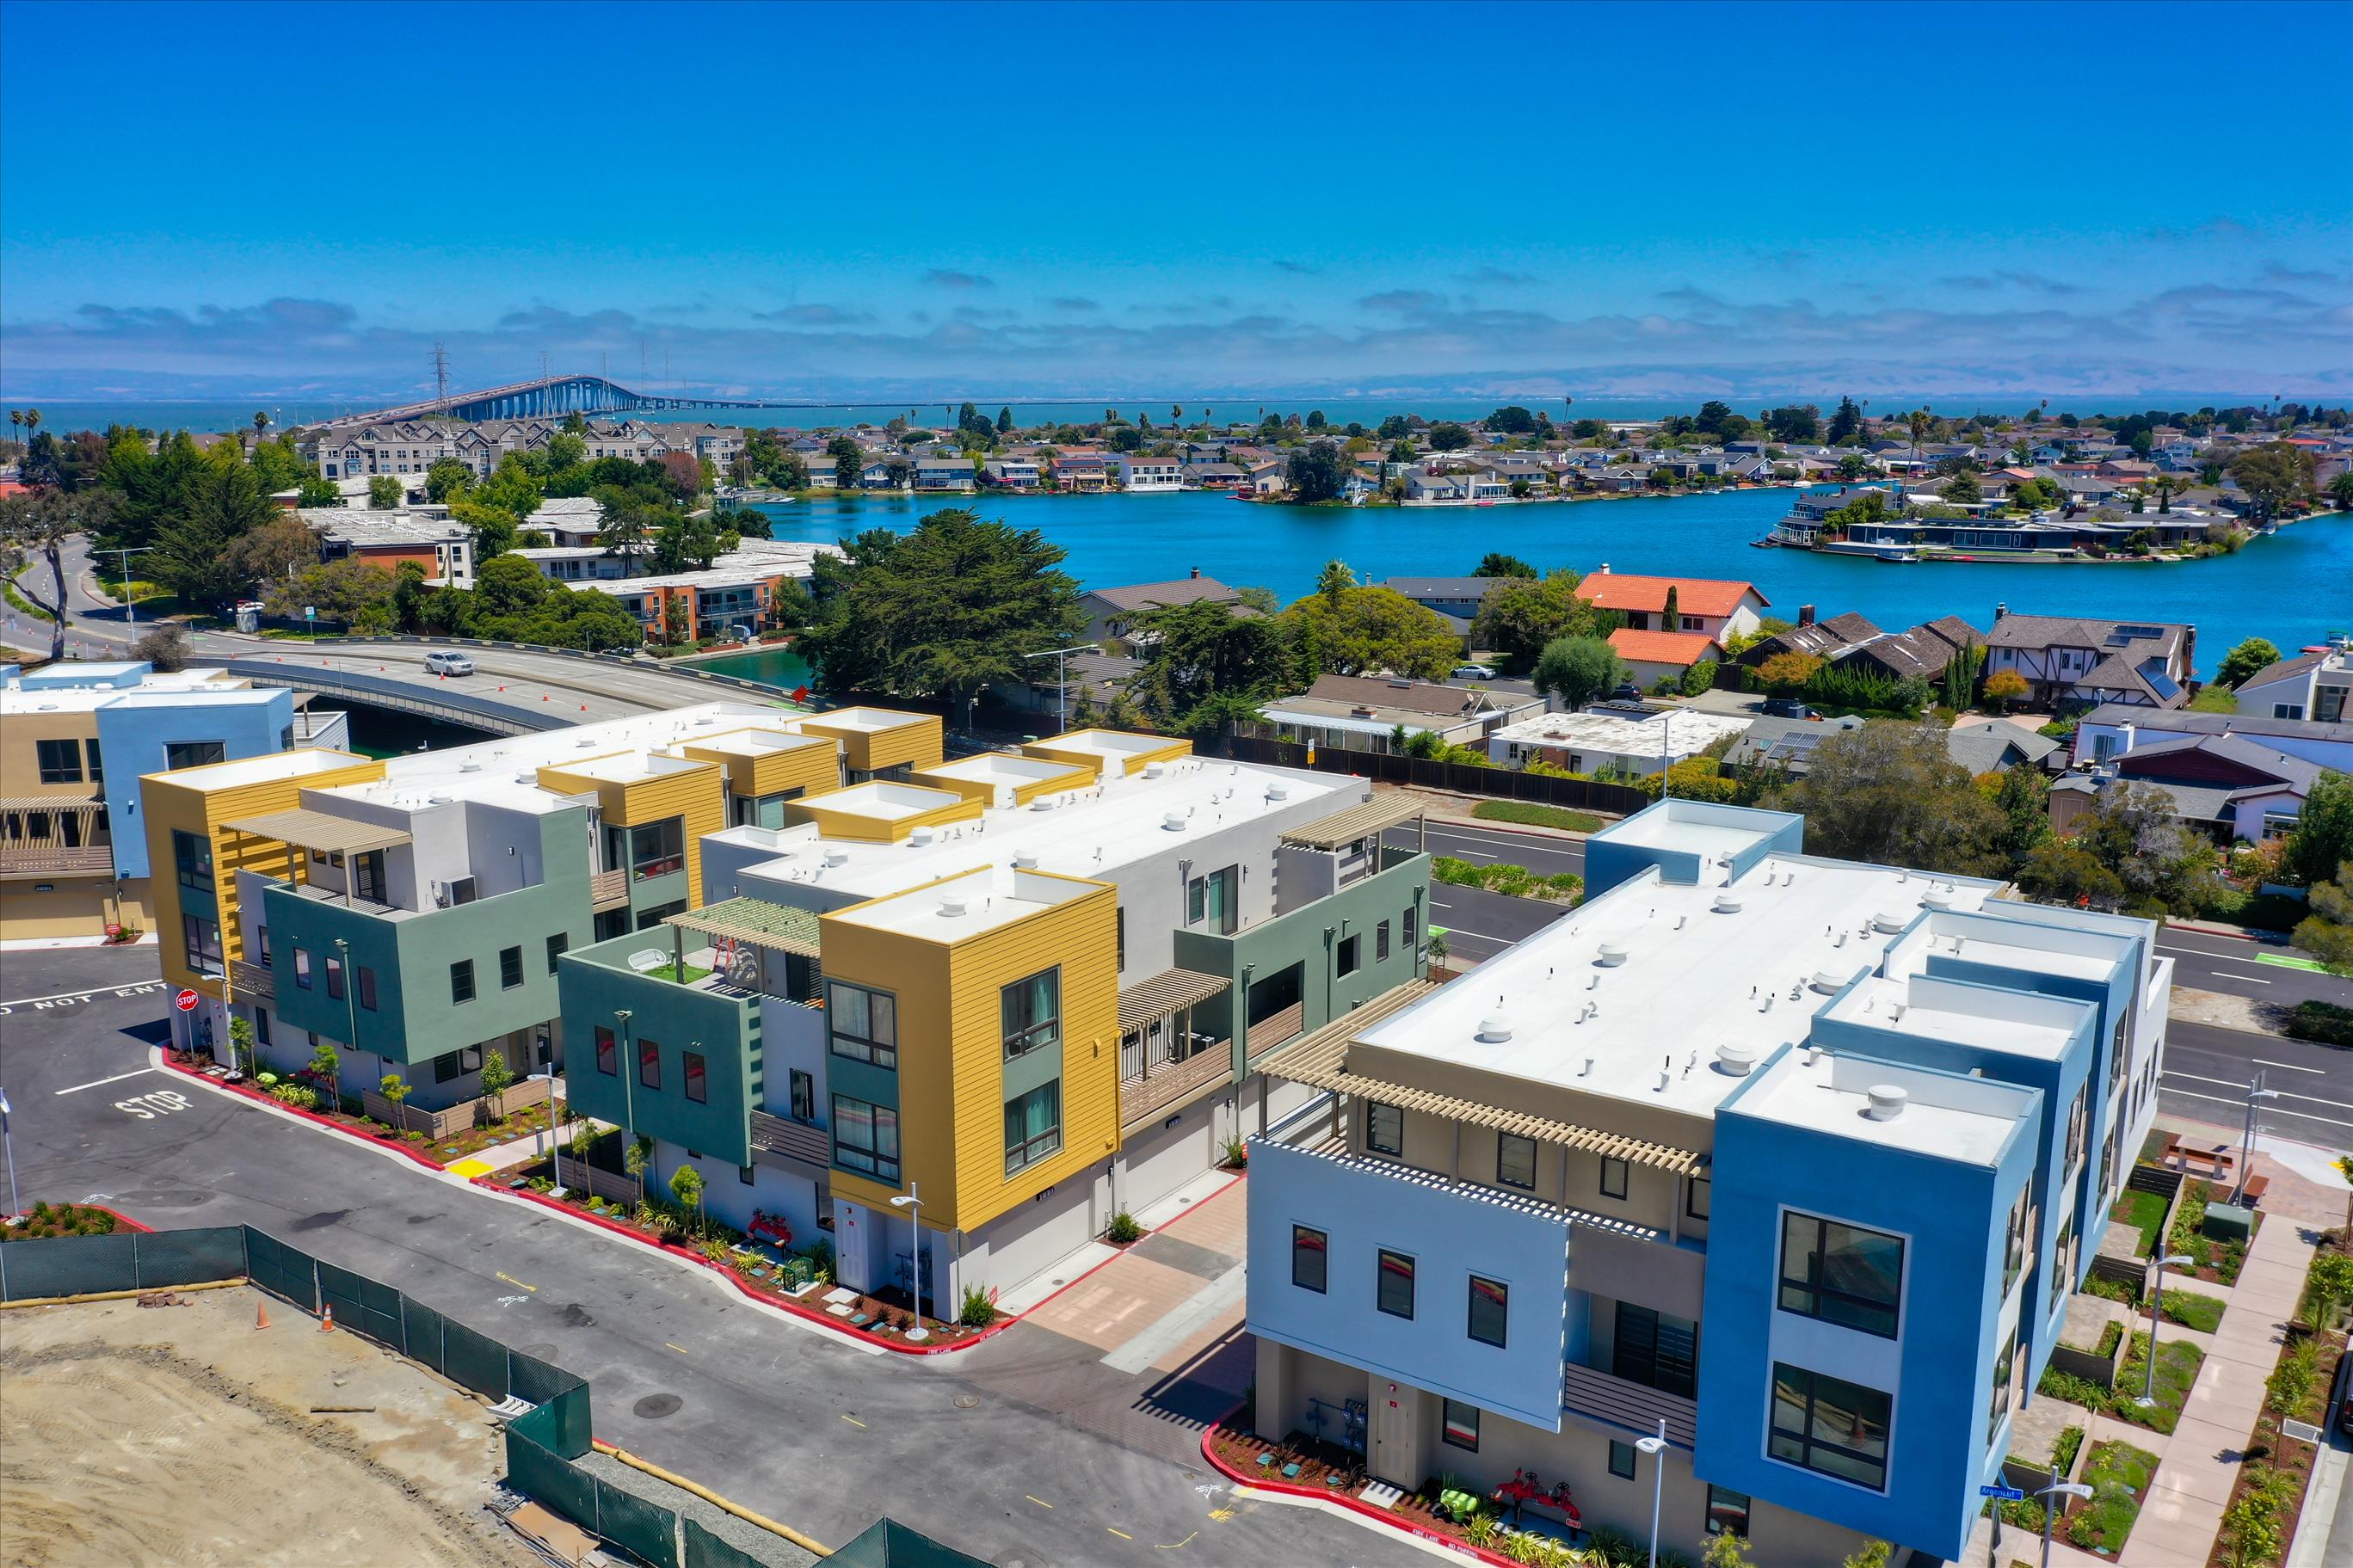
(1707, 605)
(1663, 655)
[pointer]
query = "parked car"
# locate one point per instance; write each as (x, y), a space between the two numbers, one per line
(441, 661)
(1475, 672)
(1627, 691)
(1787, 708)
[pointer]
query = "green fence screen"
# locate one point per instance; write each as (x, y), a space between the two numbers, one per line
(126, 1260)
(420, 1328)
(705, 1550)
(282, 1269)
(361, 1304)
(636, 1526)
(475, 1360)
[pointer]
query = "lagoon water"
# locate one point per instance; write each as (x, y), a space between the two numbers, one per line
(2294, 587)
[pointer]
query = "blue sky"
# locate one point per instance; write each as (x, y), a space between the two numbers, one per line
(1077, 200)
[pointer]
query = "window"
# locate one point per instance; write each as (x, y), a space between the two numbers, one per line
(1829, 1426)
(366, 978)
(2079, 1126)
(1490, 1303)
(804, 1088)
(335, 978)
(1384, 1128)
(1395, 1289)
(2017, 1237)
(509, 968)
(203, 942)
(1998, 1404)
(608, 1052)
(461, 981)
(1656, 1349)
(863, 1024)
(60, 761)
(698, 1078)
(1412, 930)
(193, 855)
(457, 1064)
(1461, 1426)
(193, 754)
(1031, 1012)
(1727, 1511)
(866, 1138)
(1515, 1161)
(97, 763)
(557, 945)
(658, 848)
(1119, 939)
(1347, 961)
(744, 1174)
(1311, 1253)
(1698, 1193)
(302, 968)
(261, 945)
(1622, 1459)
(1210, 898)
(1381, 943)
(1841, 1273)
(1033, 1126)
(648, 1064)
(1614, 1177)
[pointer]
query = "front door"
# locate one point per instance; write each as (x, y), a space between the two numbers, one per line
(1395, 1455)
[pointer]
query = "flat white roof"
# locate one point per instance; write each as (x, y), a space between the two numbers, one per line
(246, 770)
(871, 721)
(883, 801)
(1087, 831)
(982, 899)
(1648, 979)
(1685, 730)
(1105, 743)
(1993, 1020)
(1000, 768)
(1667, 830)
(172, 685)
(757, 741)
(1966, 1120)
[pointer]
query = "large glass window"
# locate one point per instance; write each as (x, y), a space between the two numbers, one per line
(1395, 1292)
(1997, 1402)
(658, 848)
(60, 760)
(1698, 1193)
(1826, 1424)
(302, 968)
(98, 767)
(1841, 1273)
(509, 968)
(191, 854)
(1033, 1126)
(194, 754)
(1622, 1460)
(1462, 1425)
(1491, 1310)
(1384, 1128)
(608, 1052)
(1381, 943)
(866, 1138)
(335, 978)
(203, 938)
(2018, 1236)
(1310, 1256)
(648, 1064)
(804, 1093)
(556, 947)
(1516, 1161)
(863, 1025)
(1656, 1349)
(1727, 1511)
(461, 981)
(1031, 1012)
(1349, 948)
(366, 978)
(698, 1078)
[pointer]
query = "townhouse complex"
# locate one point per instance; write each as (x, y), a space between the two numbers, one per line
(1785, 1160)
(806, 954)
(73, 848)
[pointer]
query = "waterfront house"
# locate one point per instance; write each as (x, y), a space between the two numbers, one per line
(1082, 471)
(1821, 639)
(2114, 729)
(2072, 662)
(2316, 684)
(1363, 713)
(1654, 657)
(1013, 473)
(2233, 788)
(944, 474)
(1110, 612)
(1457, 596)
(1740, 1149)
(1150, 474)
(1920, 654)
(1212, 476)
(1707, 605)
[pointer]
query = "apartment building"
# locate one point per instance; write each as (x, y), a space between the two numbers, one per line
(739, 588)
(73, 852)
(414, 911)
(442, 549)
(1031, 989)
(1788, 1159)
(412, 446)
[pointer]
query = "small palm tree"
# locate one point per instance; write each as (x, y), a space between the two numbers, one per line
(32, 423)
(15, 422)
(260, 420)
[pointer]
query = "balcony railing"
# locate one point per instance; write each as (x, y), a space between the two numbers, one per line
(91, 859)
(1172, 1081)
(1276, 1027)
(607, 891)
(1634, 1407)
(794, 1140)
(253, 980)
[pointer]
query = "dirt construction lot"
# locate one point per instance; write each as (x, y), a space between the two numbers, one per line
(182, 1435)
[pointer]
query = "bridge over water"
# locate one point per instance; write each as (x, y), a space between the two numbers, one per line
(546, 397)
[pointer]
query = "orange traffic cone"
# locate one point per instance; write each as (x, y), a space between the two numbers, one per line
(262, 1314)
(327, 1323)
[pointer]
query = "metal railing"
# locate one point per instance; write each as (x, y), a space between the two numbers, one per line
(1622, 1403)
(91, 859)
(1166, 1082)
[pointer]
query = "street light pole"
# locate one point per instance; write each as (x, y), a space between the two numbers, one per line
(1062, 675)
(1657, 1448)
(628, 1066)
(351, 1004)
(2256, 1091)
(2148, 1399)
(913, 1201)
(15, 1206)
(2051, 1495)
(130, 599)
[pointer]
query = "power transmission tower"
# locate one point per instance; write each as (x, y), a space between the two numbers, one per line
(440, 379)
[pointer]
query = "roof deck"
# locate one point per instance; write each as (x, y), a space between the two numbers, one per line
(1001, 779)
(272, 768)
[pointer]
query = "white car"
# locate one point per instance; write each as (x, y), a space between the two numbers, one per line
(1475, 672)
(442, 662)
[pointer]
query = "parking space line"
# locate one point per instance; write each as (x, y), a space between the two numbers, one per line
(102, 1082)
(2289, 1066)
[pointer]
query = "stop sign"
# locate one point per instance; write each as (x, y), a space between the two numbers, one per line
(185, 1001)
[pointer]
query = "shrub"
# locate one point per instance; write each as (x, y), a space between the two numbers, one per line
(1237, 1152)
(1615, 1546)
(2292, 1382)
(1480, 1531)
(300, 1097)
(979, 1308)
(1124, 1229)
(2323, 1022)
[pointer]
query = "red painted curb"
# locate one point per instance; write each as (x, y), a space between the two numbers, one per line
(786, 1303)
(327, 1122)
(121, 1219)
(1355, 1505)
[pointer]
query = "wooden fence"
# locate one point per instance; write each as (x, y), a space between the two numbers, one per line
(458, 1118)
(1504, 783)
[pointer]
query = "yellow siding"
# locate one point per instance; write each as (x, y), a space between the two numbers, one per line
(20, 769)
(984, 792)
(1079, 936)
(696, 796)
(916, 743)
(178, 801)
(1054, 749)
(916, 973)
(867, 829)
(813, 769)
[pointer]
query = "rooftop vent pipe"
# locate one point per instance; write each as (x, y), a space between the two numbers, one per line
(1155, 770)
(952, 905)
(1727, 904)
(1737, 1060)
(1613, 954)
(921, 837)
(1887, 1102)
(1025, 860)
(1174, 821)
(1495, 1027)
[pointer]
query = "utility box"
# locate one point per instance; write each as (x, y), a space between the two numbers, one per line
(2225, 1223)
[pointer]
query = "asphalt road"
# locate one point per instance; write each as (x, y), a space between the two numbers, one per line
(2244, 968)
(785, 1418)
(2207, 1069)
(1479, 924)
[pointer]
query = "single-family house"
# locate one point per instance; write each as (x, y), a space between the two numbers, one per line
(1458, 596)
(1012, 473)
(944, 474)
(2316, 684)
(1718, 608)
(1082, 471)
(1112, 611)
(1654, 657)
(2077, 662)
(2229, 787)
(1363, 713)
(1149, 474)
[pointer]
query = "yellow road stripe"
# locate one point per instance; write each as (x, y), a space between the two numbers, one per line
(1041, 1502)
(1121, 1533)
(1172, 1545)
(519, 1284)
(680, 1348)
(854, 1421)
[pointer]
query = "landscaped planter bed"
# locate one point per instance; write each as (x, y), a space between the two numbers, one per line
(2268, 1496)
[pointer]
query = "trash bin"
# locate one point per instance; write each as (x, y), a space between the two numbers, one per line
(249, 618)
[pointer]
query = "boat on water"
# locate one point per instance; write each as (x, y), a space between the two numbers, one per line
(1897, 557)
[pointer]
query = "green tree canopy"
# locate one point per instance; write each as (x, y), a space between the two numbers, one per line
(2272, 475)
(385, 493)
(1317, 471)
(2322, 838)
(447, 479)
(2250, 656)
(1447, 437)
(1577, 670)
(1364, 631)
(194, 544)
(1889, 792)
(939, 611)
(1496, 564)
(1202, 651)
(338, 590)
(2134, 830)
(1519, 618)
